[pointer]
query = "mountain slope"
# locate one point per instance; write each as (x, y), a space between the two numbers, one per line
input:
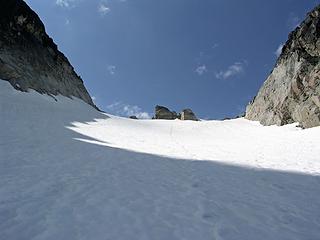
(29, 59)
(292, 91)
(70, 172)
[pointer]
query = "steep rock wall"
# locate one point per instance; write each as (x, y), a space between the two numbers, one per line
(30, 59)
(292, 91)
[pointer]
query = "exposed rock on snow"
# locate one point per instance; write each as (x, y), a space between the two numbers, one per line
(292, 91)
(164, 113)
(187, 114)
(30, 59)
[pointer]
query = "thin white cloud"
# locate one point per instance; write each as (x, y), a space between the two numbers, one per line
(215, 45)
(66, 3)
(135, 111)
(293, 21)
(200, 70)
(127, 110)
(233, 70)
(62, 3)
(111, 69)
(279, 50)
(103, 9)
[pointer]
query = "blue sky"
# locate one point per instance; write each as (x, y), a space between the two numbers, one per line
(208, 55)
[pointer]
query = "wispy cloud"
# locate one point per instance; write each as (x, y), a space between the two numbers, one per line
(103, 9)
(62, 3)
(293, 21)
(279, 50)
(67, 21)
(233, 70)
(66, 3)
(200, 70)
(215, 45)
(119, 108)
(111, 69)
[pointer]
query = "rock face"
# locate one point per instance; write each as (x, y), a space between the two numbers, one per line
(187, 114)
(30, 59)
(164, 113)
(292, 91)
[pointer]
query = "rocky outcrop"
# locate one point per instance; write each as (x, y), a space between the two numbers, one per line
(188, 114)
(292, 91)
(30, 59)
(164, 113)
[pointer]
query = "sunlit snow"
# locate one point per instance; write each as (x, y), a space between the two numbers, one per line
(70, 172)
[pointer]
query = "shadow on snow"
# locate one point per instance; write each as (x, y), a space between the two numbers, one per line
(62, 188)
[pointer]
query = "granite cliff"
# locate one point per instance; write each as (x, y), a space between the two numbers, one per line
(29, 59)
(292, 91)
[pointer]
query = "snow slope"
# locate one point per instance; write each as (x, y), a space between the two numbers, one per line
(70, 172)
